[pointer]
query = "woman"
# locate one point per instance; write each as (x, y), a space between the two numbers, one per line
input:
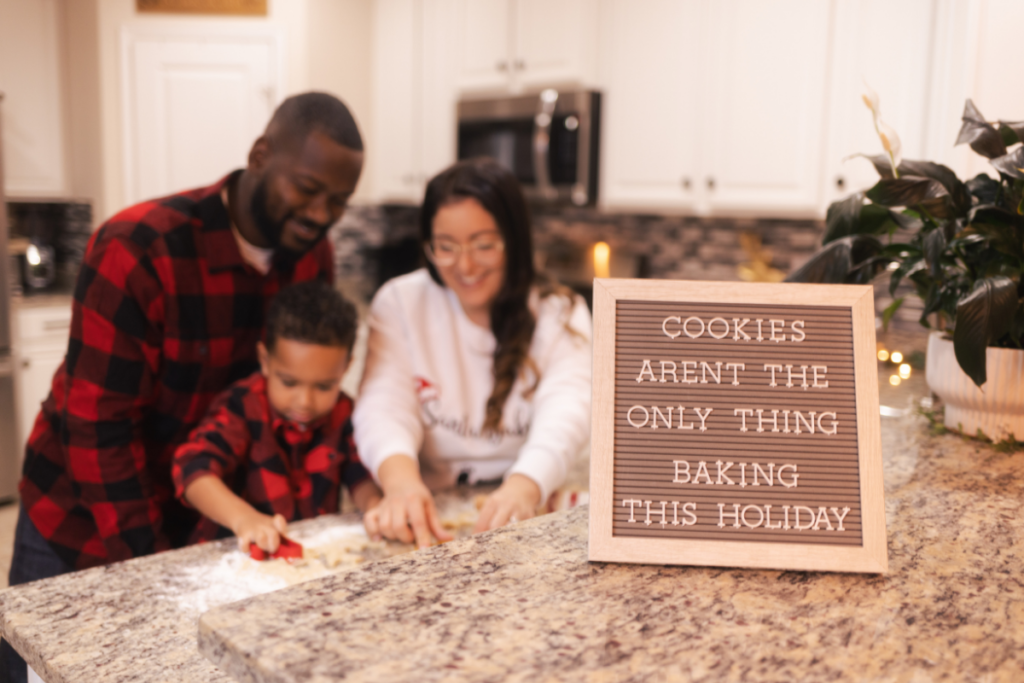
(478, 370)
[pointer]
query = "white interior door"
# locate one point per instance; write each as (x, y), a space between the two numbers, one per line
(653, 64)
(193, 108)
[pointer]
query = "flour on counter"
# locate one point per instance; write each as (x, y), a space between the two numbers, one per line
(236, 576)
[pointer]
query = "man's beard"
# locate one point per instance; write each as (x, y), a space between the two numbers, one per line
(272, 230)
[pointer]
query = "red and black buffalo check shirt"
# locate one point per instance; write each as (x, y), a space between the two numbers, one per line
(165, 316)
(274, 464)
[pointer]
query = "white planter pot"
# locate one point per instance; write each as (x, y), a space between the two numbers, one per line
(996, 408)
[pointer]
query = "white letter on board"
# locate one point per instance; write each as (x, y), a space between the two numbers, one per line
(703, 417)
(629, 416)
(686, 472)
(665, 322)
(646, 369)
(742, 412)
(840, 517)
(834, 426)
(631, 503)
(792, 482)
(734, 367)
(735, 515)
(738, 327)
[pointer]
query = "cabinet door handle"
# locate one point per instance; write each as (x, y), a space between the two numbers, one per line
(25, 362)
(520, 64)
(686, 183)
(501, 66)
(840, 182)
(711, 183)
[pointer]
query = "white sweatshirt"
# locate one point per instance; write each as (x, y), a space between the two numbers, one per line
(428, 377)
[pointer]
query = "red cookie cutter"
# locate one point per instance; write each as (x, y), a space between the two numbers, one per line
(289, 550)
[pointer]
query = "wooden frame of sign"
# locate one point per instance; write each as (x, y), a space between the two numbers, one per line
(736, 424)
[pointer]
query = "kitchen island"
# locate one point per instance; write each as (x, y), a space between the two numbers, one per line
(523, 603)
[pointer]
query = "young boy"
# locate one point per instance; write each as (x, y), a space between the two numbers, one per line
(276, 446)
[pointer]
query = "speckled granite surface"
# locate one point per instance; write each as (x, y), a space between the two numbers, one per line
(523, 603)
(136, 621)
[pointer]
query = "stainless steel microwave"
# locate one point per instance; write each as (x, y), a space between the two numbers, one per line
(549, 140)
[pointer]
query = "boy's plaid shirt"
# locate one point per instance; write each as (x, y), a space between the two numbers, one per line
(165, 316)
(270, 462)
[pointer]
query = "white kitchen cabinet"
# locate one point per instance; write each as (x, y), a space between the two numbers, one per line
(715, 107)
(413, 128)
(873, 38)
(41, 342)
(653, 61)
(31, 79)
(514, 45)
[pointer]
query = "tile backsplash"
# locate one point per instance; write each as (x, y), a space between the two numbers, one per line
(374, 243)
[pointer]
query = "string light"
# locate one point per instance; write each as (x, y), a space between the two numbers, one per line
(896, 357)
(895, 380)
(905, 370)
(883, 355)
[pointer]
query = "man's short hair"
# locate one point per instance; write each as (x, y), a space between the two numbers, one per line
(311, 312)
(300, 115)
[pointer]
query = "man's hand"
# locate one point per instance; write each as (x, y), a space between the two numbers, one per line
(515, 500)
(263, 530)
(407, 512)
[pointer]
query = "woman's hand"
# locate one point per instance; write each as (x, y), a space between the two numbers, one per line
(515, 500)
(263, 530)
(407, 512)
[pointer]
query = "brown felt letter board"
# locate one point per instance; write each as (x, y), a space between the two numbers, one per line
(736, 424)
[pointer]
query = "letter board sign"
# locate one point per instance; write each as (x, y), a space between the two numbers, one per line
(736, 424)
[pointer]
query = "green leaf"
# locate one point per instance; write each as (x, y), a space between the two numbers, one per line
(842, 217)
(851, 216)
(907, 220)
(982, 317)
(934, 247)
(1016, 128)
(835, 262)
(984, 187)
(890, 311)
(956, 189)
(1011, 164)
(979, 133)
(908, 268)
(905, 191)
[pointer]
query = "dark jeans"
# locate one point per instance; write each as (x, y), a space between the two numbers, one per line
(33, 559)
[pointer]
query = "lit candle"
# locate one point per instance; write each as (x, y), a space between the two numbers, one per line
(602, 256)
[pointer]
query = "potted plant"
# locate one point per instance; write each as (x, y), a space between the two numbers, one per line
(961, 245)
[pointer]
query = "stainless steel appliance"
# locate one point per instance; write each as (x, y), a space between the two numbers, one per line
(9, 447)
(549, 140)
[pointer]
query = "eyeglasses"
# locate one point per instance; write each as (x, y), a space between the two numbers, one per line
(485, 251)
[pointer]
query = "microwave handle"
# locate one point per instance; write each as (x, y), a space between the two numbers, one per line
(542, 143)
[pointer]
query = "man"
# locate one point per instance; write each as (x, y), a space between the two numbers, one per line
(167, 310)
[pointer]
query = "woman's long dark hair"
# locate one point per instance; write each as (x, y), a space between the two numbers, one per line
(512, 322)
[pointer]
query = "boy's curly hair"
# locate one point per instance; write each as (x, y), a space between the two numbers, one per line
(312, 312)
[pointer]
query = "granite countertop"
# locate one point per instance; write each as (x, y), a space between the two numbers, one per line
(136, 620)
(523, 603)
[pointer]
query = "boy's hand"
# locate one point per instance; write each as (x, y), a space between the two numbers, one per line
(407, 512)
(515, 500)
(263, 530)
